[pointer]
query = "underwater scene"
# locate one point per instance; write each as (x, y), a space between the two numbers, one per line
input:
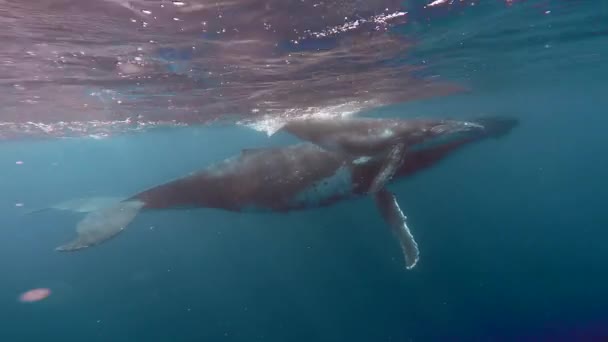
(295, 170)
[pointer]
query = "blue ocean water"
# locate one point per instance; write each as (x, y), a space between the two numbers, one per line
(512, 231)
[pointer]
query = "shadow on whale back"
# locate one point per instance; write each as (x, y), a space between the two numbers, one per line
(289, 172)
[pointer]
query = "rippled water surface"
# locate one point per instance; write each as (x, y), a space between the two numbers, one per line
(101, 66)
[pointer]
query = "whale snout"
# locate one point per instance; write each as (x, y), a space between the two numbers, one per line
(490, 126)
(497, 126)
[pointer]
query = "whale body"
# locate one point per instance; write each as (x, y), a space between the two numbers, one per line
(281, 179)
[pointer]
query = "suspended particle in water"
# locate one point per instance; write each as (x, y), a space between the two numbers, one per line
(19, 162)
(34, 295)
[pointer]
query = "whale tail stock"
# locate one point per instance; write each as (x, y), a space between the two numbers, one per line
(102, 224)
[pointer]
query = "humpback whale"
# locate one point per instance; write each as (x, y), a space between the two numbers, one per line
(280, 179)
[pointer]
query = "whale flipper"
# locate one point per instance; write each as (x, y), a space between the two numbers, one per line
(393, 161)
(103, 224)
(392, 214)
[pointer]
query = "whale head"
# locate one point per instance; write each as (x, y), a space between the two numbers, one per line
(430, 131)
(413, 132)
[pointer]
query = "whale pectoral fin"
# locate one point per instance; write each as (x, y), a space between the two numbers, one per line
(392, 214)
(103, 224)
(394, 159)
